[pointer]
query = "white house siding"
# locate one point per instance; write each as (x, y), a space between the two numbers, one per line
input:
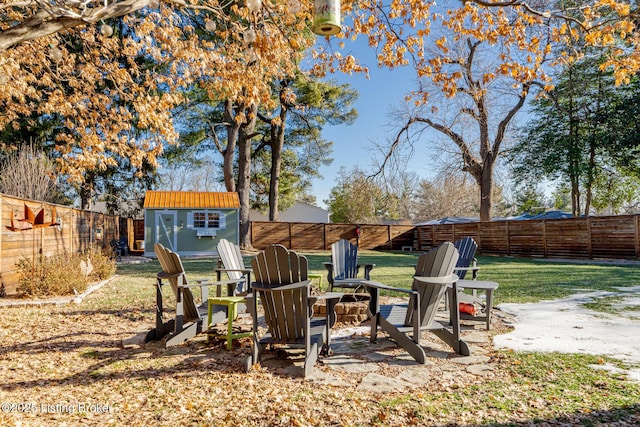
(299, 212)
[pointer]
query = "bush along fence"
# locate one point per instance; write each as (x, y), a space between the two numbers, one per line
(33, 229)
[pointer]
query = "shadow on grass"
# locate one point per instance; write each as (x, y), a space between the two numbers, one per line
(198, 359)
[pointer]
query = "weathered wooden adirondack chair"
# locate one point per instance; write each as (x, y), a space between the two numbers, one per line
(232, 263)
(405, 322)
(283, 288)
(190, 315)
(343, 268)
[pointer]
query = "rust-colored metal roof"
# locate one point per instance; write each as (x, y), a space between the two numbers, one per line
(191, 200)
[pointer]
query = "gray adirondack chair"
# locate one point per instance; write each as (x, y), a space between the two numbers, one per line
(283, 288)
(342, 271)
(405, 322)
(232, 263)
(190, 315)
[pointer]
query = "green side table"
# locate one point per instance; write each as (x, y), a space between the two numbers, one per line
(232, 313)
(316, 276)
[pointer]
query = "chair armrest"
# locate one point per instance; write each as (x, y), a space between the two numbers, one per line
(437, 280)
(208, 283)
(374, 291)
(377, 285)
(256, 286)
(242, 270)
(163, 275)
(329, 267)
(367, 270)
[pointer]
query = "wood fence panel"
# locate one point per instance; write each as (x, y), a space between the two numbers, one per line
(467, 229)
(424, 238)
(73, 232)
(494, 238)
(308, 236)
(270, 233)
(401, 236)
(374, 237)
(567, 238)
(613, 237)
(443, 233)
(335, 232)
(526, 238)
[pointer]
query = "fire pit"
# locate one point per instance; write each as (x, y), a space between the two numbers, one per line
(352, 308)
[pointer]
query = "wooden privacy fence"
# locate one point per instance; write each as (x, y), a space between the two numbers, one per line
(74, 231)
(318, 236)
(589, 237)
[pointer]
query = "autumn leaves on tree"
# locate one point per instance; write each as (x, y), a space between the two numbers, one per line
(113, 73)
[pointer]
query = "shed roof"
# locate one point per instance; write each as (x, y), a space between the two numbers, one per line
(191, 200)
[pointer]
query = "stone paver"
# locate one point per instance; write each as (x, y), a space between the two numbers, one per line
(382, 384)
(349, 364)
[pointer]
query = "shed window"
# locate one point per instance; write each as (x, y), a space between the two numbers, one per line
(207, 220)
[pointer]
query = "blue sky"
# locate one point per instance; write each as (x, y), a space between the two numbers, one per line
(354, 144)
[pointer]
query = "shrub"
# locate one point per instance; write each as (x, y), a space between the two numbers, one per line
(62, 274)
(103, 265)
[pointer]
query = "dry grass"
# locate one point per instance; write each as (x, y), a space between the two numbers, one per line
(57, 361)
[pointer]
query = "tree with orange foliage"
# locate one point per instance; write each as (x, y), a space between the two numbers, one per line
(477, 62)
(102, 79)
(246, 46)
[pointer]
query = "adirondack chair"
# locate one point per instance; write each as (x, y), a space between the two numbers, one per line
(405, 322)
(231, 262)
(342, 271)
(190, 315)
(282, 284)
(467, 248)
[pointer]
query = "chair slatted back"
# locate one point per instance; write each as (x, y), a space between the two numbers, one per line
(231, 258)
(172, 264)
(467, 248)
(438, 262)
(286, 310)
(344, 256)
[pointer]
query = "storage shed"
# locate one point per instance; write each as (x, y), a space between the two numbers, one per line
(190, 222)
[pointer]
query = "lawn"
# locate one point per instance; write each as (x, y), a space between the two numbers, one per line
(66, 365)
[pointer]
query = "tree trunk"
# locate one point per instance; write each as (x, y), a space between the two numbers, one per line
(230, 151)
(85, 193)
(244, 174)
(486, 190)
(277, 145)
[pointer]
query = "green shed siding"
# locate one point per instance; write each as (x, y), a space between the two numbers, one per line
(175, 233)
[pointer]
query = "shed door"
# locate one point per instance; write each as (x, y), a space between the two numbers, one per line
(166, 230)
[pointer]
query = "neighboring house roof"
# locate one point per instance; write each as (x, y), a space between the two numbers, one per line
(460, 220)
(545, 215)
(449, 220)
(191, 200)
(299, 212)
